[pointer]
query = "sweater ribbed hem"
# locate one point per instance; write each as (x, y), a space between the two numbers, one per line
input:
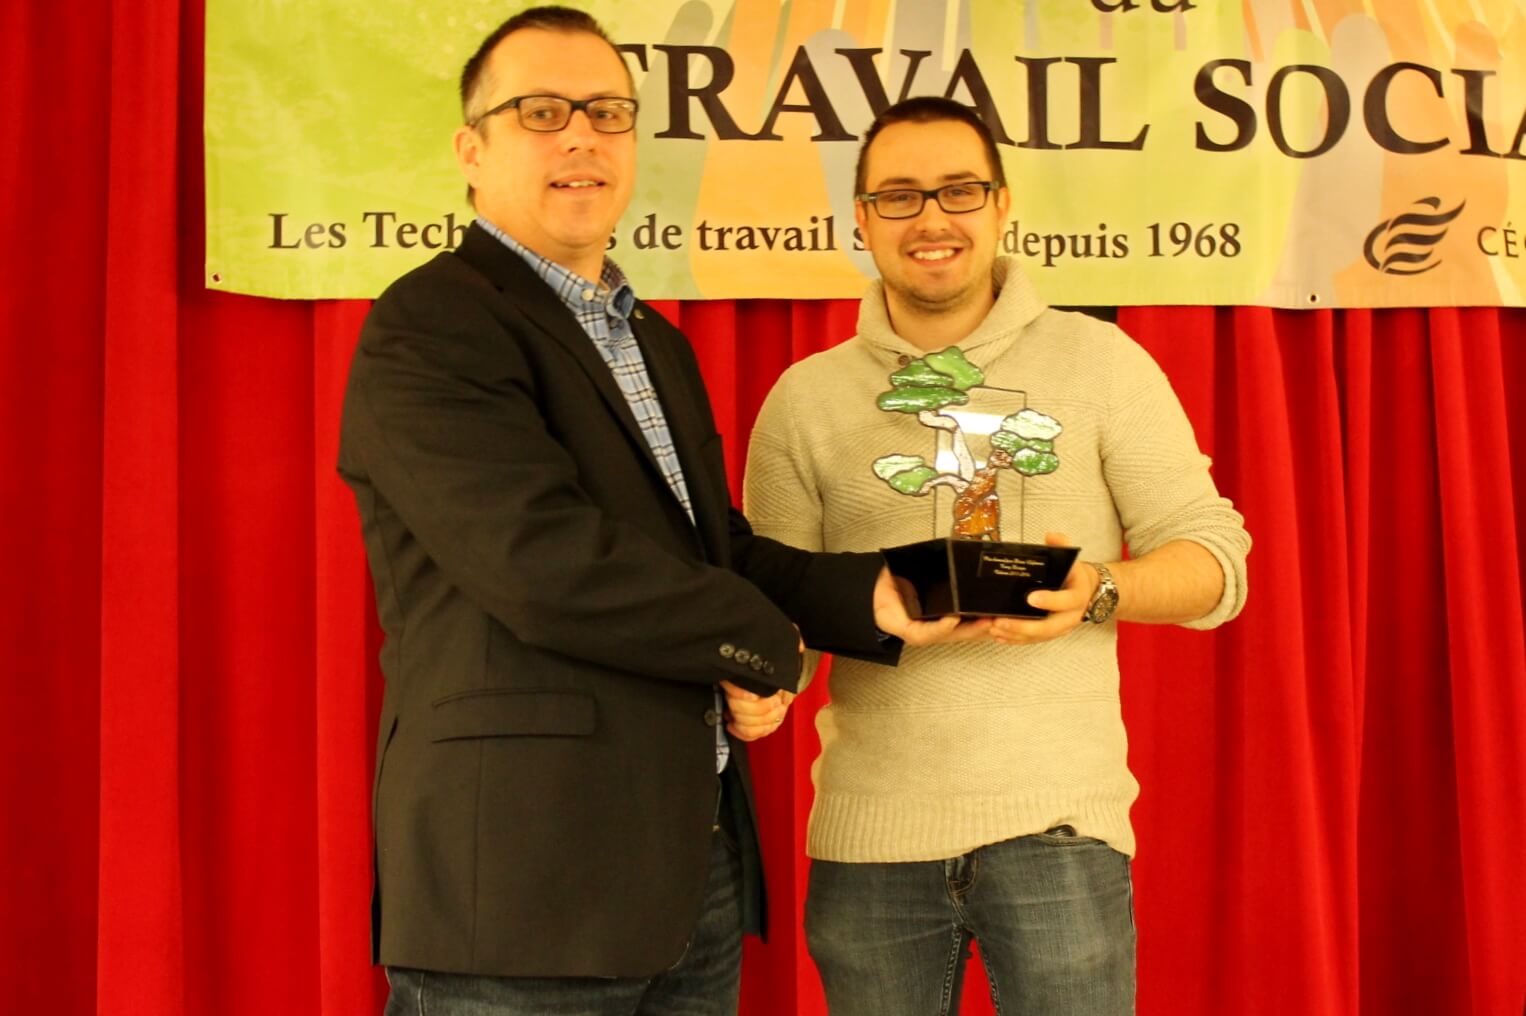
(881, 829)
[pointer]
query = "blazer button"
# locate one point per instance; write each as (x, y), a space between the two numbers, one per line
(743, 656)
(712, 718)
(728, 650)
(768, 668)
(757, 663)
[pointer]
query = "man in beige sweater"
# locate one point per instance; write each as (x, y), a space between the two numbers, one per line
(981, 789)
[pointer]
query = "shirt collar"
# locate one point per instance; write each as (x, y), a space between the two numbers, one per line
(613, 291)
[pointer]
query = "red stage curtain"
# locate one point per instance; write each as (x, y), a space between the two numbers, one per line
(1334, 803)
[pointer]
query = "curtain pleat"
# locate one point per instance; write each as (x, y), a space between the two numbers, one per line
(140, 963)
(1486, 660)
(1333, 787)
(348, 685)
(52, 376)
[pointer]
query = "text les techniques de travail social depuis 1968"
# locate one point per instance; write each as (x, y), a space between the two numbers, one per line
(386, 230)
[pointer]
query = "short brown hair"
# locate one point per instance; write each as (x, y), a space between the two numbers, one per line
(928, 109)
(549, 19)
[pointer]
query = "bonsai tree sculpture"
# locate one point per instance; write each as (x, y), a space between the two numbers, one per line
(1024, 442)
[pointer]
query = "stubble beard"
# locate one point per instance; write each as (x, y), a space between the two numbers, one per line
(926, 303)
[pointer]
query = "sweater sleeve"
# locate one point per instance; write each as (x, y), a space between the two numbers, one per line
(780, 495)
(1159, 479)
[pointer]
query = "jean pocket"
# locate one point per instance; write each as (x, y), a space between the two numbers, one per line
(1065, 836)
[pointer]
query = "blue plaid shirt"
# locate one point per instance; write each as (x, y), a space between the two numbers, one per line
(604, 312)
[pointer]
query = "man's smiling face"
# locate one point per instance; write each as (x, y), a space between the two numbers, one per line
(935, 260)
(560, 194)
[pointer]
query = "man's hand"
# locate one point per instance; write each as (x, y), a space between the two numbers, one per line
(1066, 605)
(892, 616)
(753, 716)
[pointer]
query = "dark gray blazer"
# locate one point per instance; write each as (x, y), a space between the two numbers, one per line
(555, 625)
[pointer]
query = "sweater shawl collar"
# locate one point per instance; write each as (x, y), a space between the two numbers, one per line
(1017, 304)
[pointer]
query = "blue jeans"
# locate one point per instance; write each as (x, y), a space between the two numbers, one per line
(704, 982)
(1053, 914)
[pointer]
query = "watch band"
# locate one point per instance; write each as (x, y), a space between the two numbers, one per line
(1105, 599)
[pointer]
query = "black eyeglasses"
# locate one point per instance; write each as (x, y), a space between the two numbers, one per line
(906, 202)
(550, 113)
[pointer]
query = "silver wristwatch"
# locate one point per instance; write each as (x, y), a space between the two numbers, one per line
(1105, 599)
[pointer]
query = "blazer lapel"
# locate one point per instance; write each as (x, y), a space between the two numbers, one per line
(508, 272)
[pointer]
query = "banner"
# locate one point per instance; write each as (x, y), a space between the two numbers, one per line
(1290, 153)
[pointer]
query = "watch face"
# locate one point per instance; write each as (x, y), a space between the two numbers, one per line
(1106, 600)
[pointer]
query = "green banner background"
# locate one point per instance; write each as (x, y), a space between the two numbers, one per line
(330, 172)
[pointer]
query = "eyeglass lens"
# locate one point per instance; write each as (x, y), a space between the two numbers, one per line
(552, 112)
(954, 198)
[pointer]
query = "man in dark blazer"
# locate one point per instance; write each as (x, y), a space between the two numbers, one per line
(562, 823)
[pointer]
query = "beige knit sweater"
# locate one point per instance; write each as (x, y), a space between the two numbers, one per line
(970, 744)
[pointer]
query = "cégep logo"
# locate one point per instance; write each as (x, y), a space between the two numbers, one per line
(1406, 244)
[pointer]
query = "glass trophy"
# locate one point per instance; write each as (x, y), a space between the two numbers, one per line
(985, 445)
